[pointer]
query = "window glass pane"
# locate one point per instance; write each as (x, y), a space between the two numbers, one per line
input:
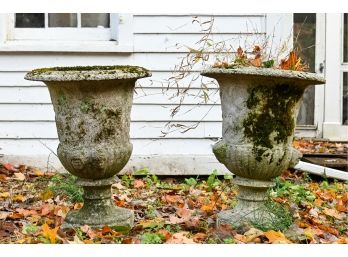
(345, 38)
(62, 20)
(95, 20)
(345, 98)
(30, 20)
(304, 43)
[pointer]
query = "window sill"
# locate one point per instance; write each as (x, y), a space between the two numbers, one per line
(65, 46)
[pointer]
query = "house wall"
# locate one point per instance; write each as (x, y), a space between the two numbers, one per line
(27, 127)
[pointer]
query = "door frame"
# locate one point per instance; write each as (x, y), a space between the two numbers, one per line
(333, 128)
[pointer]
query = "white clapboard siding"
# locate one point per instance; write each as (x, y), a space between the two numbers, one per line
(158, 79)
(171, 146)
(169, 42)
(47, 130)
(141, 95)
(183, 24)
(153, 61)
(159, 43)
(44, 112)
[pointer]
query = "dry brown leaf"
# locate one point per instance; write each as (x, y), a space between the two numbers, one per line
(199, 237)
(139, 183)
(334, 213)
(4, 215)
(18, 198)
(257, 62)
(341, 206)
(240, 238)
(184, 213)
(328, 229)
(26, 212)
(19, 176)
(4, 195)
(252, 233)
(3, 178)
(180, 238)
(167, 235)
(172, 198)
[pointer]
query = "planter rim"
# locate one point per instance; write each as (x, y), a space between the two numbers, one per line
(80, 73)
(306, 77)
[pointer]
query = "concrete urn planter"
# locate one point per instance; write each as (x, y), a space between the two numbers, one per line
(92, 106)
(259, 110)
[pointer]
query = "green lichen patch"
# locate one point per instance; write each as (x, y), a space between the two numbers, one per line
(86, 106)
(270, 119)
(61, 98)
(220, 151)
(106, 69)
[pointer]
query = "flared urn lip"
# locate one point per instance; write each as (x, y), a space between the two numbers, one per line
(304, 78)
(83, 73)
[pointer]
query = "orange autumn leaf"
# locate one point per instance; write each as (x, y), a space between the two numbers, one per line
(26, 212)
(340, 206)
(139, 183)
(207, 208)
(240, 53)
(172, 198)
(50, 233)
(293, 63)
(331, 230)
(276, 237)
(257, 62)
(167, 235)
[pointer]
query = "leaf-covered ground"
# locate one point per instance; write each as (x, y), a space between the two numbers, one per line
(169, 210)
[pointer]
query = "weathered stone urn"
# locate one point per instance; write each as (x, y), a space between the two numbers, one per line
(259, 110)
(92, 106)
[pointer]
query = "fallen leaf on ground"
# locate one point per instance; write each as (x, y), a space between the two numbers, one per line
(50, 233)
(334, 213)
(39, 173)
(5, 195)
(167, 235)
(18, 198)
(19, 176)
(276, 237)
(8, 166)
(199, 237)
(139, 183)
(180, 238)
(26, 212)
(253, 233)
(3, 215)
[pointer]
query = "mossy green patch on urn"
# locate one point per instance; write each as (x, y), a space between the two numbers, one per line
(270, 119)
(84, 73)
(106, 68)
(220, 151)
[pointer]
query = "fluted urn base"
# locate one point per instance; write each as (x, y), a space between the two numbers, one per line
(98, 209)
(251, 207)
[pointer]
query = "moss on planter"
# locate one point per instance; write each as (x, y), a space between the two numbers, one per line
(106, 69)
(220, 151)
(270, 119)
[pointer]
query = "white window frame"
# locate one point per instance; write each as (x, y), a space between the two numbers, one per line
(333, 128)
(117, 38)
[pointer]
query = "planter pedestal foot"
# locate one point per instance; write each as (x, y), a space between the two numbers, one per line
(250, 208)
(98, 209)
